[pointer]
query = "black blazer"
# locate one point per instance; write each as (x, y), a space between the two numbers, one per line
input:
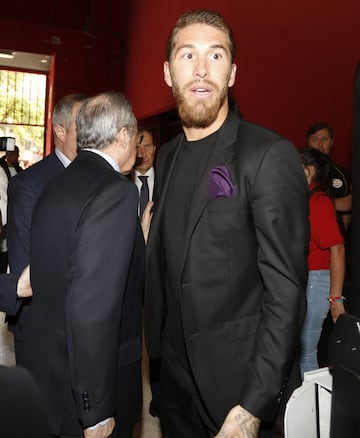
(82, 335)
(244, 270)
(23, 192)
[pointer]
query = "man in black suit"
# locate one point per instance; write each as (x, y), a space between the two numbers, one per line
(23, 193)
(143, 176)
(10, 285)
(144, 173)
(226, 256)
(82, 336)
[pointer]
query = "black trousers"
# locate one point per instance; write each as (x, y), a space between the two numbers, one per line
(180, 406)
(182, 413)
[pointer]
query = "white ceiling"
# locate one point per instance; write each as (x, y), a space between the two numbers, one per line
(27, 61)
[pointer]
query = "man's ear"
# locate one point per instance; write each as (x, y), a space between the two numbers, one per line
(232, 76)
(123, 137)
(60, 132)
(167, 75)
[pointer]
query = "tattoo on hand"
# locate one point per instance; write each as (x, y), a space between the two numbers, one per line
(248, 424)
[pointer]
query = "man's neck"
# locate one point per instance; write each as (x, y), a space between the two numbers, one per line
(143, 172)
(194, 134)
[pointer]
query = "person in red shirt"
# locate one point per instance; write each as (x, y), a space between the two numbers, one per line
(326, 259)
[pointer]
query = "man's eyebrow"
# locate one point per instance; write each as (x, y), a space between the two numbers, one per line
(183, 46)
(219, 46)
(192, 46)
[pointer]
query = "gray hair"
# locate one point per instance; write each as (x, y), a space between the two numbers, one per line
(101, 118)
(63, 110)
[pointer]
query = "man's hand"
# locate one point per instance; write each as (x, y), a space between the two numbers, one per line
(24, 289)
(239, 423)
(336, 309)
(100, 431)
(146, 220)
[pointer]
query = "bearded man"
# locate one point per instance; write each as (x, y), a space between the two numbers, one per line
(226, 256)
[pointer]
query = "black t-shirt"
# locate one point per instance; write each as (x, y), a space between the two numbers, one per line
(192, 156)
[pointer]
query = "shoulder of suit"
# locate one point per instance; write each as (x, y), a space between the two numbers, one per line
(258, 146)
(43, 170)
(257, 133)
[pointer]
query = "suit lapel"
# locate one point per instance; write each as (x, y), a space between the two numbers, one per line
(222, 154)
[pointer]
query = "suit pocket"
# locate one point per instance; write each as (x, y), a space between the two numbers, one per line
(239, 329)
(222, 204)
(226, 215)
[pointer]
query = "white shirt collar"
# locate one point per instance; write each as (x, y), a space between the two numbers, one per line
(150, 173)
(62, 157)
(106, 157)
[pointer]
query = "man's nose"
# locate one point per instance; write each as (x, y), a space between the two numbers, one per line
(141, 152)
(201, 68)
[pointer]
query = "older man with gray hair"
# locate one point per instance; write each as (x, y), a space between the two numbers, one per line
(82, 341)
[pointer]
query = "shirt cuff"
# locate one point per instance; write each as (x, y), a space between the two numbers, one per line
(101, 423)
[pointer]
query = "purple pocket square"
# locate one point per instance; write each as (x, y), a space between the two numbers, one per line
(220, 183)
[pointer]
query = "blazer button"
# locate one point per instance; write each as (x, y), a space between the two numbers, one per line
(185, 285)
(86, 401)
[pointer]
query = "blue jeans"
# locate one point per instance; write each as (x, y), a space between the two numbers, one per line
(317, 292)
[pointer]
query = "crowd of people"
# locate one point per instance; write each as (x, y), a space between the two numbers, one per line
(231, 270)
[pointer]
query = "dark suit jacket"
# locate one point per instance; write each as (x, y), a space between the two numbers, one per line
(8, 296)
(21, 411)
(82, 335)
(242, 289)
(23, 192)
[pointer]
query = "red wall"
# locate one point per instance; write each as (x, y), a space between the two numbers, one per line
(296, 59)
(86, 37)
(296, 62)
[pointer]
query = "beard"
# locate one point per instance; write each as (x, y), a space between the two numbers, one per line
(199, 114)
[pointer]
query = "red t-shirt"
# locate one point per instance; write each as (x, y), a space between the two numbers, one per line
(324, 231)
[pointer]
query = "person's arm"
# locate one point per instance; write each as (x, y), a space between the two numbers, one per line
(239, 423)
(20, 208)
(24, 289)
(8, 296)
(103, 429)
(13, 287)
(279, 200)
(344, 204)
(337, 274)
(146, 220)
(4, 181)
(98, 274)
